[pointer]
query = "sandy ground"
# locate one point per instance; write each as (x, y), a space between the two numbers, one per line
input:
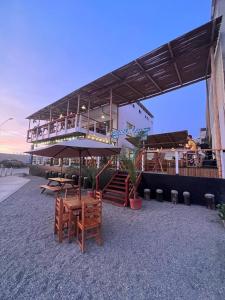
(161, 252)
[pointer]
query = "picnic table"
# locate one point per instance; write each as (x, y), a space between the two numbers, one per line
(58, 184)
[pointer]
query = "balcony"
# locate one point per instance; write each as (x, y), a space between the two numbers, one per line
(72, 125)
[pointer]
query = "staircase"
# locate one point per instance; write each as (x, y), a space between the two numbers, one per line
(117, 190)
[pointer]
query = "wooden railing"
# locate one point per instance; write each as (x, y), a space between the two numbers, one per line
(138, 180)
(106, 166)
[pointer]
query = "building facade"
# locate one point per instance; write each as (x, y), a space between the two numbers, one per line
(91, 124)
(215, 112)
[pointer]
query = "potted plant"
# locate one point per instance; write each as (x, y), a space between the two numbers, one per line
(91, 174)
(135, 201)
(221, 209)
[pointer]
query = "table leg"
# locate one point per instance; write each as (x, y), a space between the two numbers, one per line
(70, 230)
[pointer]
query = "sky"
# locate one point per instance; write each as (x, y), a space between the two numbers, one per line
(49, 48)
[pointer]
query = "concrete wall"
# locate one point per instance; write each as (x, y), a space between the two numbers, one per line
(216, 85)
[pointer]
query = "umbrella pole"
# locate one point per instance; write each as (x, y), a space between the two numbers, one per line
(79, 184)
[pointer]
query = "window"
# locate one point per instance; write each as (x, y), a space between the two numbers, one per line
(130, 126)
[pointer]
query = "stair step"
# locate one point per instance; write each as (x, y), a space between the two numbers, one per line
(115, 195)
(112, 185)
(121, 175)
(118, 182)
(114, 191)
(114, 202)
(119, 179)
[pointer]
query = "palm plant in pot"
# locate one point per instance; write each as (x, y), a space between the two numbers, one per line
(135, 201)
(221, 210)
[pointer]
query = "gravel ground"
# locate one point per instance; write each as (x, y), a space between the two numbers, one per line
(161, 252)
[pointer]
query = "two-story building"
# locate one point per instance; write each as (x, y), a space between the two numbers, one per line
(61, 122)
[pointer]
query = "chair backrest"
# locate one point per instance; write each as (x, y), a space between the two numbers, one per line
(59, 207)
(71, 192)
(92, 210)
(98, 195)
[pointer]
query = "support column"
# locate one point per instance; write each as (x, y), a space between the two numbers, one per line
(88, 122)
(67, 115)
(110, 114)
(176, 162)
(28, 132)
(78, 111)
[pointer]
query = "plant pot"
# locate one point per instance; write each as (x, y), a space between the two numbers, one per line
(91, 193)
(223, 222)
(135, 203)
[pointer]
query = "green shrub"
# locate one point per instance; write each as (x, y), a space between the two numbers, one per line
(12, 163)
(36, 170)
(221, 211)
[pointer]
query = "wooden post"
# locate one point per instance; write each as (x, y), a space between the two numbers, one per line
(177, 162)
(110, 114)
(142, 161)
(78, 110)
(88, 124)
(67, 114)
(28, 132)
(216, 114)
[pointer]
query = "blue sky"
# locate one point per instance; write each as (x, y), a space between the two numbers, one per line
(50, 48)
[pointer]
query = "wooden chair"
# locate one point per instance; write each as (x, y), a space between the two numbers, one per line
(98, 195)
(62, 219)
(90, 224)
(71, 192)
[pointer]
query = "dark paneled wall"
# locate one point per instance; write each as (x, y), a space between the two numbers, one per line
(197, 186)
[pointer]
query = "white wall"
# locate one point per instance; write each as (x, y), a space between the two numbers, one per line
(130, 113)
(219, 86)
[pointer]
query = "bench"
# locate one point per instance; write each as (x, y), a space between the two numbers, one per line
(50, 188)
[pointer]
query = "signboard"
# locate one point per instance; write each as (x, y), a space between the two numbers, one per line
(132, 132)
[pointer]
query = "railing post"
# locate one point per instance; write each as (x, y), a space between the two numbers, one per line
(98, 162)
(66, 123)
(80, 120)
(222, 158)
(176, 163)
(117, 164)
(75, 121)
(142, 161)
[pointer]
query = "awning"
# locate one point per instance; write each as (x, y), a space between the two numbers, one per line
(178, 63)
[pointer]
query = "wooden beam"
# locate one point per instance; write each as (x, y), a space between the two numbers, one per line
(175, 64)
(211, 40)
(144, 72)
(123, 82)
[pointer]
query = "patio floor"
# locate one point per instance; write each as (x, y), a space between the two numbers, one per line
(161, 252)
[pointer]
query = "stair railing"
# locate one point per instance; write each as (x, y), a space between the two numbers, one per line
(97, 177)
(138, 180)
(127, 189)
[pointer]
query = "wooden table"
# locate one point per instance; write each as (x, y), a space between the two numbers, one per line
(74, 204)
(61, 184)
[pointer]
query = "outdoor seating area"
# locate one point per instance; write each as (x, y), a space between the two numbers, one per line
(144, 252)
